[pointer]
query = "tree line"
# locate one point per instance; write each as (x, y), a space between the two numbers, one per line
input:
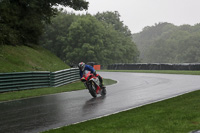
(22, 21)
(101, 38)
(167, 43)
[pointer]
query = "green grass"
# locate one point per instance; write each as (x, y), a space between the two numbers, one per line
(176, 115)
(109, 81)
(158, 71)
(39, 92)
(46, 91)
(23, 58)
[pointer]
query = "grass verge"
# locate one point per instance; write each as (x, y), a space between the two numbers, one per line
(45, 91)
(176, 115)
(24, 58)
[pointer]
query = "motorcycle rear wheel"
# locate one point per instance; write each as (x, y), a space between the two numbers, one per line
(92, 89)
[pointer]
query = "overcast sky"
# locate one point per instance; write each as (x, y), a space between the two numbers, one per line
(137, 14)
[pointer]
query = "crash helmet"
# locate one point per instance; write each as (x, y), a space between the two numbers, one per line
(81, 66)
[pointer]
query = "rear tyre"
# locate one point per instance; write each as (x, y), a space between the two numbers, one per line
(92, 89)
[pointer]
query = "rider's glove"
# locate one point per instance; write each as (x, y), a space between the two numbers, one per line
(83, 79)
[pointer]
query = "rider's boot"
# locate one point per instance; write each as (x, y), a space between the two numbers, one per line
(102, 86)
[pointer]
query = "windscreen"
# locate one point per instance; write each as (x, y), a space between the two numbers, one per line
(86, 72)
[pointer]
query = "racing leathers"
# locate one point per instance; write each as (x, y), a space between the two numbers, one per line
(92, 70)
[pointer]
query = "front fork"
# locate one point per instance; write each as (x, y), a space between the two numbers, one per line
(86, 85)
(97, 88)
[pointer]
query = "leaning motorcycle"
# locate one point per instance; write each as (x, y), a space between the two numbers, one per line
(92, 83)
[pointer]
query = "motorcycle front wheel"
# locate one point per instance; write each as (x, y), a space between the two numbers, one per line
(103, 92)
(92, 89)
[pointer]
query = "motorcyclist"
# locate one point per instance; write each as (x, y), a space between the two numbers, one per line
(82, 67)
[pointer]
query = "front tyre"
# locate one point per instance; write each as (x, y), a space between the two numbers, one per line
(103, 92)
(92, 89)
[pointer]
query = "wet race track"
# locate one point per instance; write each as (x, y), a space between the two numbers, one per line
(132, 90)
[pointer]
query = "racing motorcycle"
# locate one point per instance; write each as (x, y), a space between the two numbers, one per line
(92, 83)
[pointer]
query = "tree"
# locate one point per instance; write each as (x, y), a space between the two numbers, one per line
(98, 41)
(87, 39)
(22, 21)
(55, 36)
(113, 18)
(167, 43)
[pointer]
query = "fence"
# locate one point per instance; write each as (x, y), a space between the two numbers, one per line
(63, 77)
(155, 66)
(30, 80)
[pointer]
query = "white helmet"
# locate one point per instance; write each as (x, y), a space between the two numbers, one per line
(81, 66)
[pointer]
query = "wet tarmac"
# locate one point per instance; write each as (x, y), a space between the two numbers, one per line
(133, 90)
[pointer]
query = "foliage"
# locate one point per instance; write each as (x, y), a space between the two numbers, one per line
(167, 43)
(113, 18)
(76, 38)
(55, 35)
(22, 21)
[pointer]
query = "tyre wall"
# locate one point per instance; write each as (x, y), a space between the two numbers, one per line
(155, 66)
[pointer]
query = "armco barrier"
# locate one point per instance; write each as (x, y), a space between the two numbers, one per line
(30, 80)
(62, 77)
(155, 66)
